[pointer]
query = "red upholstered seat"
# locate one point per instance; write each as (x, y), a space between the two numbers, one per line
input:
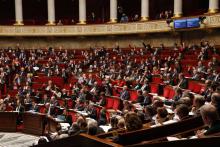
(9, 108)
(42, 109)
(154, 88)
(70, 103)
(72, 80)
(13, 93)
(117, 93)
(166, 92)
(58, 81)
(67, 87)
(116, 104)
(61, 102)
(62, 65)
(191, 85)
(171, 94)
(74, 115)
(110, 102)
(108, 116)
(197, 88)
(133, 94)
(202, 89)
(156, 80)
(36, 86)
(98, 109)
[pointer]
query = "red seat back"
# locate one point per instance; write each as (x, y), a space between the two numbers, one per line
(171, 94)
(156, 80)
(166, 92)
(116, 104)
(61, 102)
(197, 88)
(133, 94)
(9, 108)
(191, 85)
(70, 103)
(74, 116)
(42, 109)
(110, 103)
(154, 88)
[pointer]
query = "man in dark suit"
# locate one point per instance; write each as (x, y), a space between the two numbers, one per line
(183, 82)
(145, 86)
(34, 107)
(20, 109)
(140, 97)
(147, 99)
(124, 94)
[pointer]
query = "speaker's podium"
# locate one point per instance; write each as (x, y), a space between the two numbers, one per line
(34, 123)
(8, 121)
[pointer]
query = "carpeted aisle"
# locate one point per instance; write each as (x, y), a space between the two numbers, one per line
(16, 140)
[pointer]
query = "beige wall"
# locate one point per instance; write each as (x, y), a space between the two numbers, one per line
(156, 39)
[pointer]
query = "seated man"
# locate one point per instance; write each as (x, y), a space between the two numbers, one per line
(211, 119)
(215, 100)
(183, 82)
(147, 99)
(124, 94)
(34, 107)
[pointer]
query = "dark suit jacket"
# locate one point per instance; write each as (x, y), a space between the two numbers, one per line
(215, 128)
(103, 101)
(184, 84)
(140, 99)
(125, 95)
(20, 108)
(35, 108)
(147, 101)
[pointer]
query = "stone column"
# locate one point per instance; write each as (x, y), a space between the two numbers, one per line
(18, 12)
(144, 10)
(82, 12)
(178, 12)
(113, 11)
(213, 6)
(51, 12)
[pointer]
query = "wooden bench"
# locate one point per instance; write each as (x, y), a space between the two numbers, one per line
(160, 131)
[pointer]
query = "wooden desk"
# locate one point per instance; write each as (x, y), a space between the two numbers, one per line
(34, 123)
(8, 121)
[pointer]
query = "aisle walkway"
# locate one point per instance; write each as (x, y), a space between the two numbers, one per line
(16, 139)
